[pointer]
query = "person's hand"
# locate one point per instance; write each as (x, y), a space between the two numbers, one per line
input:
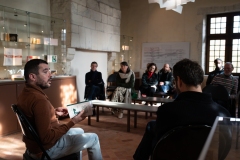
(161, 83)
(61, 111)
(153, 86)
(79, 117)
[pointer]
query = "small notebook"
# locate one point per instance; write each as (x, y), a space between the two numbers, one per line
(74, 109)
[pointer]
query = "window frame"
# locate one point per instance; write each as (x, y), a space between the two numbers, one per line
(228, 36)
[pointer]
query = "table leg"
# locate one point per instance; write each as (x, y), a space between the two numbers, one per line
(97, 115)
(89, 120)
(146, 115)
(128, 120)
(135, 119)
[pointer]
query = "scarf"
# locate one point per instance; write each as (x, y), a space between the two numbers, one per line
(150, 74)
(126, 76)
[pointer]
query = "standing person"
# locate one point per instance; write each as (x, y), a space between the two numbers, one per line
(57, 139)
(94, 84)
(125, 84)
(165, 74)
(149, 80)
(218, 70)
(191, 107)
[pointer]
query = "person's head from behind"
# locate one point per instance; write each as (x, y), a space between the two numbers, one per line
(94, 66)
(124, 67)
(187, 74)
(152, 67)
(37, 72)
(166, 68)
(228, 68)
(218, 63)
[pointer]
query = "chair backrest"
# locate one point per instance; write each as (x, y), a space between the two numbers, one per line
(111, 82)
(112, 78)
(26, 125)
(185, 142)
(218, 92)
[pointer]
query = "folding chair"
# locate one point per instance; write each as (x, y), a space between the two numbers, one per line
(26, 125)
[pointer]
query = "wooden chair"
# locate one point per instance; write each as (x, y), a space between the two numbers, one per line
(26, 126)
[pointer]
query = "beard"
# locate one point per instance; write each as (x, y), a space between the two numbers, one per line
(42, 84)
(177, 89)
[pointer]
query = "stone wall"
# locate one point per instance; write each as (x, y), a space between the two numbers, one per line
(91, 24)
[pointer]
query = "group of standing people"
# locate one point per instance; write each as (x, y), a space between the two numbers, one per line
(153, 82)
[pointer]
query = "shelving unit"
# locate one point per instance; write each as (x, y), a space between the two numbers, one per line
(35, 35)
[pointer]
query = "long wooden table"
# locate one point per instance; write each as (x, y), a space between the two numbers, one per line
(124, 106)
(152, 100)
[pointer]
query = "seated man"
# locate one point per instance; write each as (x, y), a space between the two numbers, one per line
(164, 78)
(94, 84)
(57, 139)
(227, 80)
(230, 83)
(218, 70)
(191, 107)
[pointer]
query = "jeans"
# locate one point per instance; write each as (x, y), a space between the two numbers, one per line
(147, 143)
(76, 140)
(94, 92)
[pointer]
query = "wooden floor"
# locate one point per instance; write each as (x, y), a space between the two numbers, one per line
(116, 143)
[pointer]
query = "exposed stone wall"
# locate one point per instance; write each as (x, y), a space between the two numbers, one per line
(90, 24)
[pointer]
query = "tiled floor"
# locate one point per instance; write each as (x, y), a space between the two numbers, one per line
(116, 142)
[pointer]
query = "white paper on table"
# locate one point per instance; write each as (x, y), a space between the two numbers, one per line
(74, 109)
(12, 57)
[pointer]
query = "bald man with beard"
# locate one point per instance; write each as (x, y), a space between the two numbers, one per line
(165, 74)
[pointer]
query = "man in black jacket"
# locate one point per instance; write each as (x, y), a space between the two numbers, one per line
(191, 107)
(164, 75)
(218, 70)
(94, 84)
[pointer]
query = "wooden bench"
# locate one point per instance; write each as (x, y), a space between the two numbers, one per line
(124, 106)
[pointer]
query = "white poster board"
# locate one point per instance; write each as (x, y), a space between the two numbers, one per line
(161, 53)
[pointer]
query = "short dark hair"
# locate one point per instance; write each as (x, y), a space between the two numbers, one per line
(190, 72)
(150, 65)
(124, 63)
(32, 66)
(94, 63)
(217, 59)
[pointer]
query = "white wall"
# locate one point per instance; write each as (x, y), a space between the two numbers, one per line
(80, 65)
(148, 23)
(35, 6)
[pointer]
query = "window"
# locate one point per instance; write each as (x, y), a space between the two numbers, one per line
(223, 40)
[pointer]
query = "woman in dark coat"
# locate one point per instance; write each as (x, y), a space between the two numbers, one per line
(149, 80)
